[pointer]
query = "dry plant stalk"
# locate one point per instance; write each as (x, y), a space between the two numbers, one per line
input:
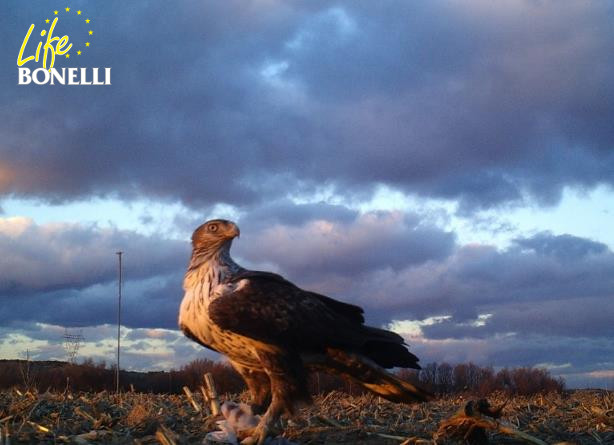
(206, 401)
(194, 403)
(212, 392)
(165, 436)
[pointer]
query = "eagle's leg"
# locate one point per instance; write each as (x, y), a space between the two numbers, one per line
(288, 379)
(259, 386)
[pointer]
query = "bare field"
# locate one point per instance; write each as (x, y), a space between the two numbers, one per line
(580, 417)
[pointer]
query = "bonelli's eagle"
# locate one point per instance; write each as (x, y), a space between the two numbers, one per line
(274, 332)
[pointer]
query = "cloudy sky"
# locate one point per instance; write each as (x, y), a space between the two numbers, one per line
(447, 165)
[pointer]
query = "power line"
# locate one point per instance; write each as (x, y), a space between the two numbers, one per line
(72, 343)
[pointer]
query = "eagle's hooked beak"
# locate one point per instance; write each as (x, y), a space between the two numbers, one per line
(235, 233)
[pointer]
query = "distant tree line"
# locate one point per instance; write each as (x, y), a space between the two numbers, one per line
(443, 378)
(91, 376)
(440, 378)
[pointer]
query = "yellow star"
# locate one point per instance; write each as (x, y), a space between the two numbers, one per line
(87, 20)
(87, 43)
(67, 9)
(67, 56)
(47, 21)
(55, 12)
(91, 32)
(78, 12)
(79, 52)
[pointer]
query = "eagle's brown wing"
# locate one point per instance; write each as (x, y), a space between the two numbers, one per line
(268, 308)
(350, 311)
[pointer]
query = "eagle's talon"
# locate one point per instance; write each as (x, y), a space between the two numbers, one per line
(258, 437)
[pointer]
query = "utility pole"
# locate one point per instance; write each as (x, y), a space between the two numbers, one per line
(119, 317)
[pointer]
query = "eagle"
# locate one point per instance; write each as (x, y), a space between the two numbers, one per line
(274, 333)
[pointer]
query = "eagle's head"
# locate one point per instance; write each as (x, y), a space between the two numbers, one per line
(214, 235)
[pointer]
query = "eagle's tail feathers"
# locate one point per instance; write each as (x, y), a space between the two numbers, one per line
(396, 390)
(390, 355)
(387, 349)
(374, 378)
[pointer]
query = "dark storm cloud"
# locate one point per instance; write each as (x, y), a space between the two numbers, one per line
(531, 350)
(582, 317)
(74, 268)
(563, 246)
(257, 217)
(289, 213)
(152, 303)
(65, 274)
(156, 304)
(398, 267)
(546, 284)
(322, 248)
(42, 258)
(243, 103)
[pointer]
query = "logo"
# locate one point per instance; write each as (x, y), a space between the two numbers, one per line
(51, 49)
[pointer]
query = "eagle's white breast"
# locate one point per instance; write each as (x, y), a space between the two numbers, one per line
(202, 286)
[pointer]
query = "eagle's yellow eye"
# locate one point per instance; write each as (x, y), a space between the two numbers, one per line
(212, 228)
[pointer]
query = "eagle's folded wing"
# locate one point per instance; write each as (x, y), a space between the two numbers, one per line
(268, 308)
(350, 311)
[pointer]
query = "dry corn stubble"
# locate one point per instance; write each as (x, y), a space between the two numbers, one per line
(578, 417)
